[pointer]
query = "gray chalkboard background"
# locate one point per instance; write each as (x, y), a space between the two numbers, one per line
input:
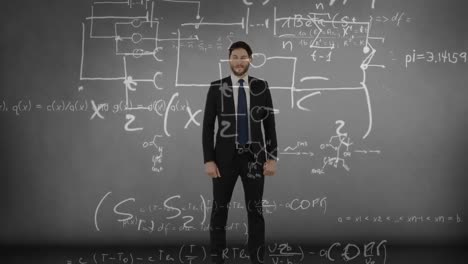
(371, 119)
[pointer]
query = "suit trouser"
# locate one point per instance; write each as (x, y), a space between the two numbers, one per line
(253, 193)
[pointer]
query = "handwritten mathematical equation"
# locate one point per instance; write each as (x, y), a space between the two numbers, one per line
(24, 106)
(436, 57)
(441, 219)
(161, 107)
(276, 252)
(397, 18)
(177, 210)
(323, 31)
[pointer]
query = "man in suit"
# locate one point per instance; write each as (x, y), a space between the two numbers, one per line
(242, 104)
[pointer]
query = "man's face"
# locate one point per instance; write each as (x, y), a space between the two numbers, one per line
(239, 61)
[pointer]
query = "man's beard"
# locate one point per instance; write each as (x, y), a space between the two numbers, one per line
(241, 73)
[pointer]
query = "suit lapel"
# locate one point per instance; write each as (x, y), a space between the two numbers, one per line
(227, 97)
(251, 105)
(252, 100)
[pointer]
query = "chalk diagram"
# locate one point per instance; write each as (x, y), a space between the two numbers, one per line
(135, 34)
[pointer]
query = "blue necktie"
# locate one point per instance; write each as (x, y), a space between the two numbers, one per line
(242, 120)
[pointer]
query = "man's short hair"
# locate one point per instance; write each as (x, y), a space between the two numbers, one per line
(240, 45)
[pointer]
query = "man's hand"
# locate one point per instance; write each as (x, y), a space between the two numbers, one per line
(269, 168)
(212, 170)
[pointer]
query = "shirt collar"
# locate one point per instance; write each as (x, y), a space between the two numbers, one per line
(236, 79)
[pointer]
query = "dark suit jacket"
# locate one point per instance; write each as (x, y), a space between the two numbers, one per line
(220, 105)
